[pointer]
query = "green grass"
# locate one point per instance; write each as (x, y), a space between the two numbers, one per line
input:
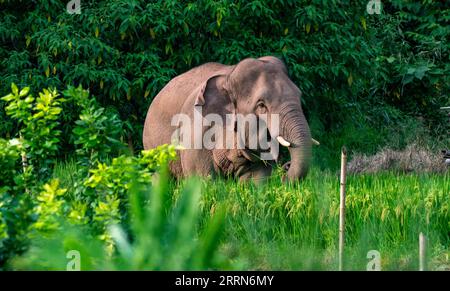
(290, 227)
(279, 226)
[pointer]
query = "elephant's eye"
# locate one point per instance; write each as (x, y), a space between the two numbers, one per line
(261, 108)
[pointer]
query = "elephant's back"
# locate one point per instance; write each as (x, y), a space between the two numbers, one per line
(170, 100)
(179, 88)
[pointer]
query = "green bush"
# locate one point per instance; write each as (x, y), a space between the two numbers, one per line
(98, 132)
(46, 210)
(37, 123)
(32, 205)
(15, 203)
(160, 236)
(9, 153)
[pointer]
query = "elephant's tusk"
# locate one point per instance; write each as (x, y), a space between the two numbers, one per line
(315, 141)
(283, 142)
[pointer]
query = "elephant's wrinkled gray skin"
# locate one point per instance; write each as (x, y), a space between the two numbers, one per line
(252, 86)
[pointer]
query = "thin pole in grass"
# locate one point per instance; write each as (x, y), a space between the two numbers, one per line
(342, 208)
(422, 252)
(23, 155)
(24, 160)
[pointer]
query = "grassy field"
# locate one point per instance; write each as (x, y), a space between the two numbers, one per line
(277, 226)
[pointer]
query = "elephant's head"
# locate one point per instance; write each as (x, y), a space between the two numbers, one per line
(262, 86)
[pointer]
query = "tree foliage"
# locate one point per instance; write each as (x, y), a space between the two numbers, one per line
(351, 66)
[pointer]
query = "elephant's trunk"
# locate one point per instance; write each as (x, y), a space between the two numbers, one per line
(295, 130)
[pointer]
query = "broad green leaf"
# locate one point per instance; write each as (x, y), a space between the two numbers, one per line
(14, 89)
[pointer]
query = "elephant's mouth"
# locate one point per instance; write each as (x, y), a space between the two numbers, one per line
(293, 148)
(241, 170)
(287, 144)
(286, 166)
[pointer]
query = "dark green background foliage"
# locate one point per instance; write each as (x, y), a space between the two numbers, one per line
(360, 74)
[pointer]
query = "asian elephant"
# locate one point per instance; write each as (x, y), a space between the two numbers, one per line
(253, 86)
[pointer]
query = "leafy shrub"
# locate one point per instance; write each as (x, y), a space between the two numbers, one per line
(107, 185)
(44, 211)
(49, 207)
(9, 154)
(161, 237)
(32, 205)
(97, 132)
(14, 202)
(38, 125)
(414, 47)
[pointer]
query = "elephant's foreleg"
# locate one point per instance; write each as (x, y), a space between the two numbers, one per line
(197, 162)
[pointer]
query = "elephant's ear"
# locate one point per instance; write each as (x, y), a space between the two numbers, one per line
(200, 94)
(213, 91)
(274, 60)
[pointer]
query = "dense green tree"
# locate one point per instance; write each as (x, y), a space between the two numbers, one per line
(370, 69)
